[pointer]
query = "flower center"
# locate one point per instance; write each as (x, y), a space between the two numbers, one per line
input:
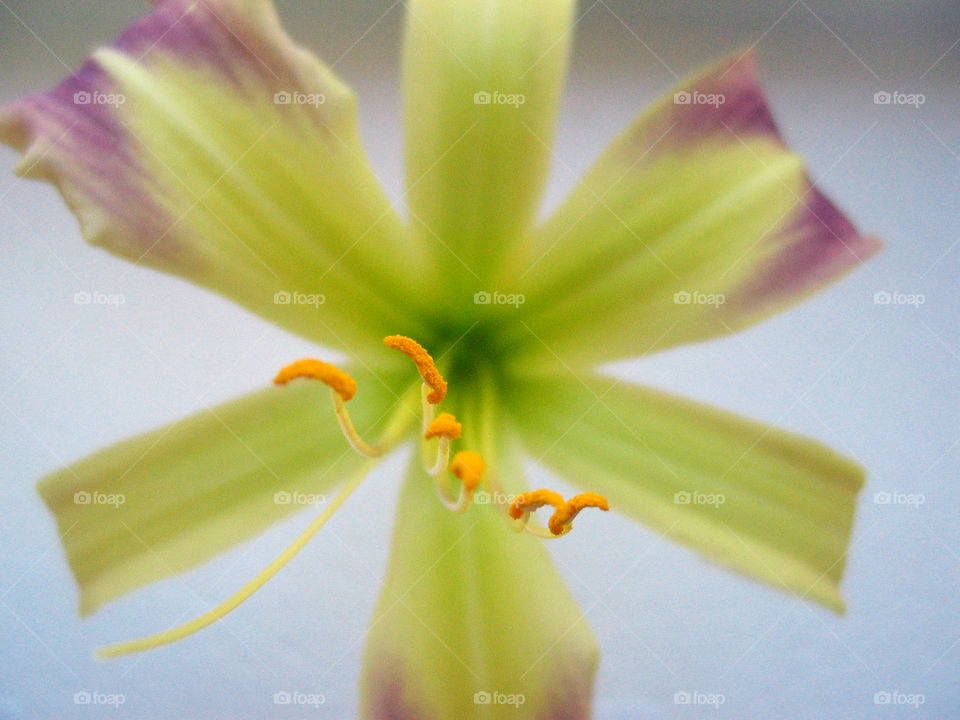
(467, 467)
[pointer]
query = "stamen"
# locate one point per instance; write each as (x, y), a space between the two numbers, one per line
(445, 425)
(428, 371)
(330, 375)
(208, 618)
(527, 502)
(561, 520)
(342, 388)
(446, 428)
(468, 467)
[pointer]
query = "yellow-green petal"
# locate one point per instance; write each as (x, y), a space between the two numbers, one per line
(474, 620)
(163, 502)
(203, 142)
(697, 221)
(481, 84)
(773, 505)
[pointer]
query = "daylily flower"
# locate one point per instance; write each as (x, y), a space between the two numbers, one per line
(206, 144)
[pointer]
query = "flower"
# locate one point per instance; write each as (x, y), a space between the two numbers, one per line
(204, 143)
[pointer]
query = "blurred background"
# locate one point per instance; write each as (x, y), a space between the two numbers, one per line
(877, 382)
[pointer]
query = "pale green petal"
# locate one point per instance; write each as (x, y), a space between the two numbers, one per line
(161, 503)
(696, 222)
(205, 143)
(770, 504)
(481, 85)
(471, 608)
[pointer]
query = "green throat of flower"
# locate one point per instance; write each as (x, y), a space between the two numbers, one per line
(438, 431)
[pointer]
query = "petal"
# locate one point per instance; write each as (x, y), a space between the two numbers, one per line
(204, 143)
(481, 86)
(770, 504)
(165, 501)
(470, 609)
(696, 222)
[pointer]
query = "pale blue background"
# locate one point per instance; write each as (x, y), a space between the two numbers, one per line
(877, 382)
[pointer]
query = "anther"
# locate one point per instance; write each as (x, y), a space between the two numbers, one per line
(444, 426)
(468, 467)
(328, 374)
(425, 365)
(561, 520)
